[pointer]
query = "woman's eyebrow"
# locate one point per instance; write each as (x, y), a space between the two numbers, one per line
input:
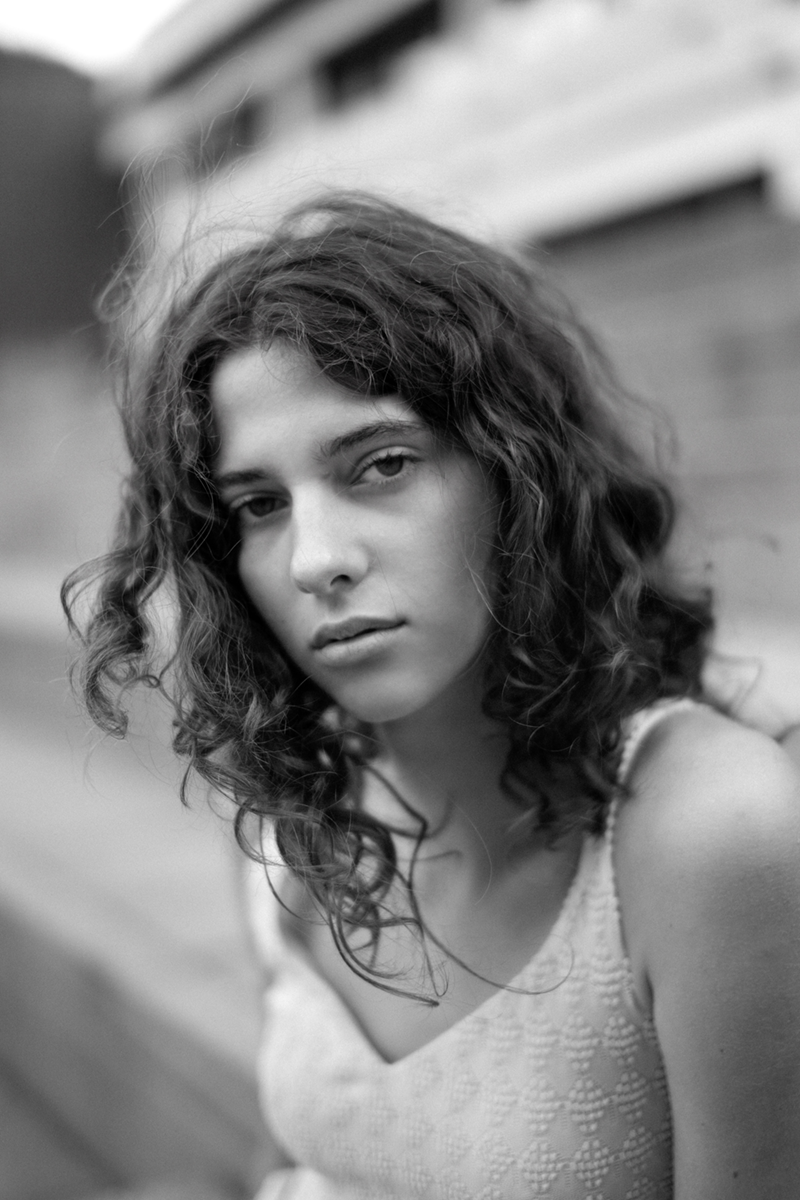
(239, 478)
(346, 441)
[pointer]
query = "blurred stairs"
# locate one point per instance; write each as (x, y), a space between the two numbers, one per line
(39, 1158)
(128, 999)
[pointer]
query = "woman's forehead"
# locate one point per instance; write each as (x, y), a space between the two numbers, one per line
(267, 399)
(264, 378)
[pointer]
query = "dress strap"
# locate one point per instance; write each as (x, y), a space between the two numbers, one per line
(640, 724)
(262, 906)
(636, 729)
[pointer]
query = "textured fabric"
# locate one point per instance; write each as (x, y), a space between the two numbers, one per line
(557, 1090)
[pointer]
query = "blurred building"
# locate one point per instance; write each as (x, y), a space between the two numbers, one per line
(650, 147)
(61, 232)
(546, 115)
(58, 207)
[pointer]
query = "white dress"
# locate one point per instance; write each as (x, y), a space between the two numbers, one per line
(556, 1091)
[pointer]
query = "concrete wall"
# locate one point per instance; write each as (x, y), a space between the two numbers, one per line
(699, 304)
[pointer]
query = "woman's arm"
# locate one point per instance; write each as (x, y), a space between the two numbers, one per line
(708, 863)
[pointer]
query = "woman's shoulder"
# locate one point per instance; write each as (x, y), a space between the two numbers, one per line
(711, 820)
(701, 779)
(707, 852)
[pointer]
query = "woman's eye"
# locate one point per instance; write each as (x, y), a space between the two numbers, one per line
(386, 466)
(254, 508)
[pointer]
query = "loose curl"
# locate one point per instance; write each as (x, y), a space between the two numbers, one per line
(588, 625)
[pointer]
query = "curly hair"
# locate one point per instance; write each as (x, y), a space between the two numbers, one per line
(589, 624)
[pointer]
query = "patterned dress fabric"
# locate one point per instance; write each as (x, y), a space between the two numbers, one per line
(554, 1089)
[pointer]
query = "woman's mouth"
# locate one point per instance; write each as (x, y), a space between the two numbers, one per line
(354, 640)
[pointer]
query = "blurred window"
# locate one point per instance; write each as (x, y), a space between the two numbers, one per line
(366, 64)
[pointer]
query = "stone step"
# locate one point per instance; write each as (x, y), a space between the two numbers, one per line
(129, 998)
(39, 1158)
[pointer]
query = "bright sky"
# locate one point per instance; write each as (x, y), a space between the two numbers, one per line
(92, 35)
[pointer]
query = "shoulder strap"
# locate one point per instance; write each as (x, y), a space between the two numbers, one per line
(637, 728)
(262, 907)
(640, 724)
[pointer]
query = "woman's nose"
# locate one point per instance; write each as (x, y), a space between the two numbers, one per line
(327, 552)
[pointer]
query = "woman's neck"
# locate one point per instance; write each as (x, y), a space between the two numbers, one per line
(445, 763)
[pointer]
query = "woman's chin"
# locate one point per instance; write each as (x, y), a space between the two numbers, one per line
(441, 691)
(379, 706)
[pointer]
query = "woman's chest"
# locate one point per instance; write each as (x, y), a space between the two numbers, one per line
(434, 963)
(554, 1088)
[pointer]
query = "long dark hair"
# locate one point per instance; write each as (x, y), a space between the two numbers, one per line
(589, 623)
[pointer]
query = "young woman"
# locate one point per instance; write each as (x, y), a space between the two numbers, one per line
(530, 906)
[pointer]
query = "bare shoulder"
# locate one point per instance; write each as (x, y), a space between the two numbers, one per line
(708, 870)
(704, 787)
(713, 817)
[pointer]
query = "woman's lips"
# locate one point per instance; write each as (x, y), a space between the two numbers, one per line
(354, 640)
(338, 631)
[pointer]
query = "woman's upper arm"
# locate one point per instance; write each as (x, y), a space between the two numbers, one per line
(709, 873)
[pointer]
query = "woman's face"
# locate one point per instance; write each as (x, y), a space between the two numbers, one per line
(365, 545)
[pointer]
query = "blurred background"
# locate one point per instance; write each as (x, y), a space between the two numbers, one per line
(647, 150)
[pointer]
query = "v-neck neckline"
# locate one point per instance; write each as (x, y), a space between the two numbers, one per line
(301, 958)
